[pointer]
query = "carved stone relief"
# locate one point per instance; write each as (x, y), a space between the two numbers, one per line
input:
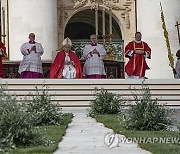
(119, 8)
(127, 19)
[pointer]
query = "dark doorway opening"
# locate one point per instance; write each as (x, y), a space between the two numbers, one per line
(79, 30)
(82, 25)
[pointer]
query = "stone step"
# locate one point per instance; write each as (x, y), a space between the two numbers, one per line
(80, 92)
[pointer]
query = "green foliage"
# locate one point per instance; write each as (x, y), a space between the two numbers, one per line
(155, 147)
(146, 113)
(18, 120)
(178, 127)
(43, 110)
(105, 103)
(16, 127)
(52, 133)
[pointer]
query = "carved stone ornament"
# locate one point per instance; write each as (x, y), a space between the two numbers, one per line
(127, 19)
(80, 3)
(111, 4)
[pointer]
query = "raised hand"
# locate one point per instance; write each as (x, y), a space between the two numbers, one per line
(95, 51)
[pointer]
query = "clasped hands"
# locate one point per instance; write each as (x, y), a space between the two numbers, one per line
(68, 63)
(139, 52)
(33, 48)
(94, 51)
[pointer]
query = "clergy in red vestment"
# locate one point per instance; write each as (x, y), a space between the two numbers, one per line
(66, 64)
(137, 51)
(2, 54)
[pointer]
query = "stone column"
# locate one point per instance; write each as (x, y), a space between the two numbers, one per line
(37, 16)
(149, 23)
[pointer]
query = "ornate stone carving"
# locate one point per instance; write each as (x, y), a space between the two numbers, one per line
(125, 15)
(127, 20)
(80, 3)
(66, 8)
(111, 4)
(61, 16)
(108, 4)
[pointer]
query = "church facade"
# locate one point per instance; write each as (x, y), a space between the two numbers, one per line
(52, 20)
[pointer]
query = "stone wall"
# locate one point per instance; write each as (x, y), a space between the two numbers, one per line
(37, 16)
(150, 24)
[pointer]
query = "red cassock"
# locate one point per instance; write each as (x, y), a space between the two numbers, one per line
(58, 65)
(137, 64)
(3, 50)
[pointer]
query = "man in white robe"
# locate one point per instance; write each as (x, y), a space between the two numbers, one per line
(31, 65)
(94, 54)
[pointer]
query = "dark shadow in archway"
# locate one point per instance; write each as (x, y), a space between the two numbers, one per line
(81, 25)
(79, 30)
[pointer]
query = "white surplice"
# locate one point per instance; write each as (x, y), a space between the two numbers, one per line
(94, 64)
(31, 60)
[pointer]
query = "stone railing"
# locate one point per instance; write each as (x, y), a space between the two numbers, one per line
(114, 69)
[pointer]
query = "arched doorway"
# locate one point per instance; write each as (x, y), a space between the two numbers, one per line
(79, 30)
(82, 25)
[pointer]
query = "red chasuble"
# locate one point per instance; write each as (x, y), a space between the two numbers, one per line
(3, 50)
(58, 65)
(137, 64)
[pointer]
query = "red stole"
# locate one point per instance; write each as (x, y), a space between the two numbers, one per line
(58, 65)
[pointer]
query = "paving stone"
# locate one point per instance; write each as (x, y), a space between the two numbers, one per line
(86, 136)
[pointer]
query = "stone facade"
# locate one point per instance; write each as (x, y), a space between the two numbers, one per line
(150, 24)
(49, 20)
(24, 17)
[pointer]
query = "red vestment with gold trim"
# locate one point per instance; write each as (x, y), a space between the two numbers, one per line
(137, 64)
